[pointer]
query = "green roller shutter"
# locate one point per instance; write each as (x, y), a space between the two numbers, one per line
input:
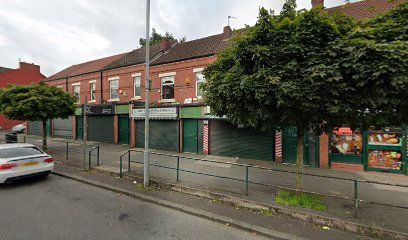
(35, 128)
(101, 129)
(163, 135)
(228, 140)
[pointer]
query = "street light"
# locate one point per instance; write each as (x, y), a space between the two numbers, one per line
(147, 98)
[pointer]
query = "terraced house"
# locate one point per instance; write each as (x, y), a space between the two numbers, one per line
(113, 89)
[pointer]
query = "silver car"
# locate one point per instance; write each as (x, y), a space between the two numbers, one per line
(23, 160)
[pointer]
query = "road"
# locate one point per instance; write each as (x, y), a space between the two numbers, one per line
(57, 208)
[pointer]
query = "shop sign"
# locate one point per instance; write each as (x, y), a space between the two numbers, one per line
(156, 113)
(100, 110)
(343, 131)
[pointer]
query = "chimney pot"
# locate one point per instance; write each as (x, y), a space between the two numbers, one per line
(227, 33)
(317, 3)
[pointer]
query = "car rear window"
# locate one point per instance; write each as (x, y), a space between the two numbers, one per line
(19, 152)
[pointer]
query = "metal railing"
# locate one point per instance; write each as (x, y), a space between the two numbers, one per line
(356, 182)
(69, 147)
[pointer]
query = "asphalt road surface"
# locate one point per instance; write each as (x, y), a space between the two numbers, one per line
(58, 208)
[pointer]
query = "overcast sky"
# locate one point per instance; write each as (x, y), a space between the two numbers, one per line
(58, 33)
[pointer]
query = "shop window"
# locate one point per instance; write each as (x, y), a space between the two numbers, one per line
(92, 88)
(167, 87)
(385, 149)
(137, 86)
(385, 159)
(347, 142)
(114, 89)
(385, 138)
(76, 89)
(200, 80)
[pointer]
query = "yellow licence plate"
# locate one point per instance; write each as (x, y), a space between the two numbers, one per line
(30, 164)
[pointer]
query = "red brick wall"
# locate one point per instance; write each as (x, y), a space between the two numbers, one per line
(324, 151)
(26, 74)
(347, 167)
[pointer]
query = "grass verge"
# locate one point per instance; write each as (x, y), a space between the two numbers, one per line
(304, 200)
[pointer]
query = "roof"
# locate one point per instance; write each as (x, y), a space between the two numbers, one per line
(3, 69)
(203, 47)
(87, 67)
(15, 145)
(366, 9)
(135, 57)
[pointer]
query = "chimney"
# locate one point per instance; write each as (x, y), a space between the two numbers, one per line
(165, 44)
(24, 65)
(227, 32)
(317, 3)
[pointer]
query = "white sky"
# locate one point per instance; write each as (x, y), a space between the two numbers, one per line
(58, 33)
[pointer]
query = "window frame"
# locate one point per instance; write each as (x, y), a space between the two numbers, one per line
(92, 89)
(74, 86)
(112, 80)
(139, 77)
(167, 78)
(203, 80)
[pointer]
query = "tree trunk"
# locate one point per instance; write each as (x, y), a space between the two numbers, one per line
(44, 128)
(299, 160)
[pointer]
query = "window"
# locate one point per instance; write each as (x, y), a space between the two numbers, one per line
(92, 88)
(200, 80)
(19, 152)
(60, 87)
(167, 87)
(76, 90)
(137, 87)
(114, 89)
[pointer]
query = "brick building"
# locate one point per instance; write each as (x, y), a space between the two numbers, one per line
(180, 120)
(26, 74)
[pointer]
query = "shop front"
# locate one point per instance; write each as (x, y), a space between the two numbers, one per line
(62, 128)
(381, 150)
(163, 125)
(193, 125)
(122, 111)
(100, 120)
(310, 147)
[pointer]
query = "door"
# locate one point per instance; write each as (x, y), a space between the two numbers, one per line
(48, 128)
(101, 128)
(79, 128)
(124, 133)
(311, 151)
(163, 135)
(289, 144)
(232, 141)
(190, 136)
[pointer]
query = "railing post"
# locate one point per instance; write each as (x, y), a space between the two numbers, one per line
(24, 139)
(129, 160)
(89, 159)
(246, 180)
(178, 167)
(97, 155)
(355, 198)
(121, 170)
(66, 151)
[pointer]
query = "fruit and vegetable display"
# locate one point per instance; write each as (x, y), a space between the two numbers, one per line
(347, 143)
(384, 138)
(385, 159)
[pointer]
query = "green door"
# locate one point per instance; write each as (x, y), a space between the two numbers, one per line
(48, 128)
(124, 129)
(163, 135)
(79, 128)
(232, 141)
(311, 150)
(101, 128)
(289, 144)
(190, 135)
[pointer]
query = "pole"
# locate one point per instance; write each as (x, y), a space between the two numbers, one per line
(147, 97)
(85, 127)
(355, 198)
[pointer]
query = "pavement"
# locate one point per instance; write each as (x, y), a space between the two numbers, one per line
(369, 214)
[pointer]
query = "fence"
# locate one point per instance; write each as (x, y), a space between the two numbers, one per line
(64, 150)
(246, 180)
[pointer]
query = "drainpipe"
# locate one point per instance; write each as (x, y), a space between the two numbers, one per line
(66, 85)
(101, 87)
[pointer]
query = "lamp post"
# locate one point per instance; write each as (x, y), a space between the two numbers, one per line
(147, 97)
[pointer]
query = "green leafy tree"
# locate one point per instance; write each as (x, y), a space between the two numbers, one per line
(38, 102)
(288, 10)
(155, 38)
(372, 61)
(266, 79)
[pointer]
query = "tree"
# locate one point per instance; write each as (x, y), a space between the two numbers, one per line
(288, 10)
(38, 102)
(155, 38)
(372, 61)
(266, 79)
